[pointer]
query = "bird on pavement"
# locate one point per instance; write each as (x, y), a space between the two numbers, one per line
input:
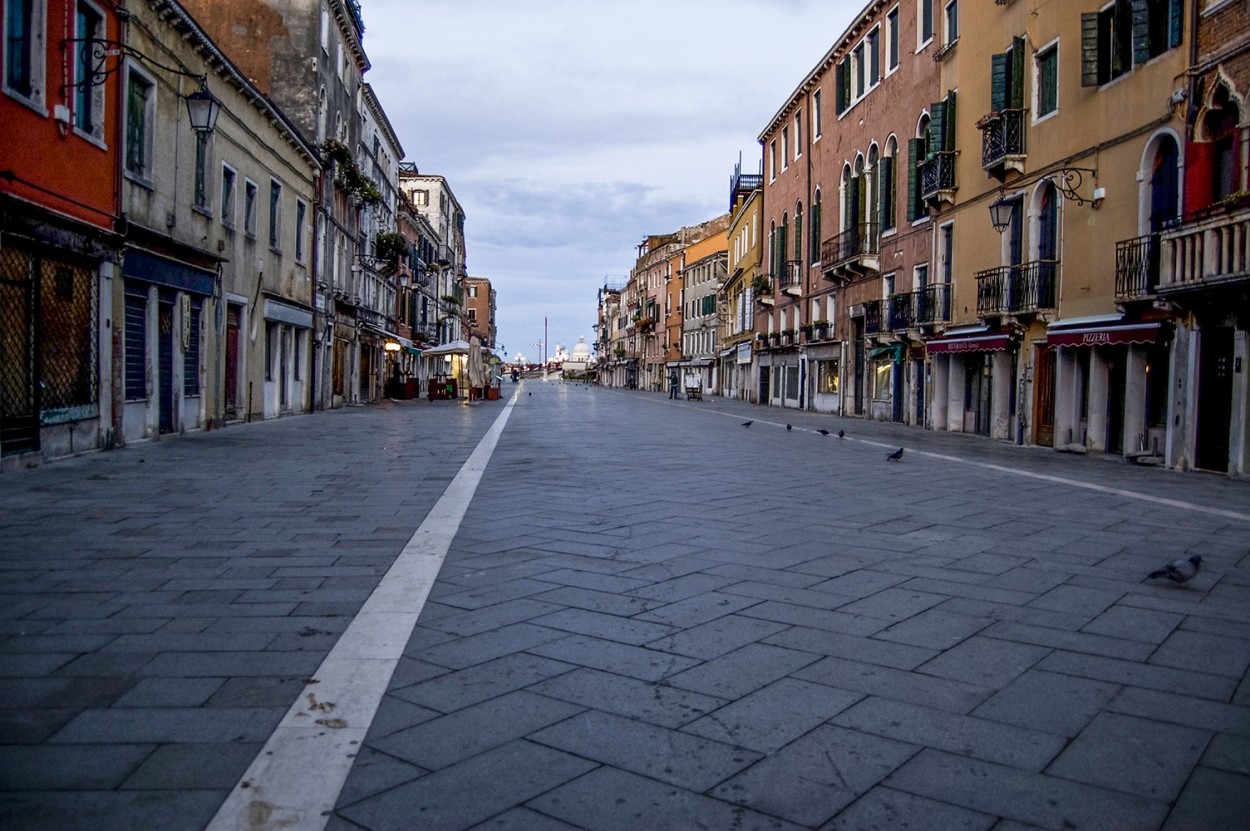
(841, 434)
(748, 423)
(788, 428)
(1178, 571)
(896, 455)
(823, 432)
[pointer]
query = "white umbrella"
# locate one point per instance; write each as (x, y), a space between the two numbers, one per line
(476, 374)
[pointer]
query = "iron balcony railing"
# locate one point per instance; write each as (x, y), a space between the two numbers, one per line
(872, 317)
(1017, 289)
(1136, 267)
(932, 304)
(857, 241)
(1002, 135)
(937, 174)
(902, 314)
(791, 274)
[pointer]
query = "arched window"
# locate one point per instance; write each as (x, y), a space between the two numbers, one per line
(848, 219)
(886, 178)
(872, 214)
(1220, 126)
(1164, 184)
(814, 221)
(798, 231)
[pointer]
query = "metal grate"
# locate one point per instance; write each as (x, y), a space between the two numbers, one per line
(68, 363)
(19, 423)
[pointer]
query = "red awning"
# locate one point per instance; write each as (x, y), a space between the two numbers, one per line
(980, 342)
(1105, 335)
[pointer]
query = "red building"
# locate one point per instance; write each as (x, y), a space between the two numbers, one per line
(61, 131)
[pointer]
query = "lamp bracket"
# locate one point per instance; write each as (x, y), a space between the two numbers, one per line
(1068, 180)
(96, 53)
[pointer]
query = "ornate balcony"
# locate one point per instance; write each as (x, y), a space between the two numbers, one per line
(851, 253)
(1136, 268)
(792, 278)
(1210, 251)
(937, 178)
(1017, 289)
(902, 312)
(1002, 142)
(932, 305)
(872, 317)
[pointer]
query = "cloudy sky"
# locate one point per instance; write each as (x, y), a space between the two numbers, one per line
(571, 129)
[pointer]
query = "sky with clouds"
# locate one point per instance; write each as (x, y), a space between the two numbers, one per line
(569, 130)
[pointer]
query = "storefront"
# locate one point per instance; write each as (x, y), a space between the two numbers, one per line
(973, 381)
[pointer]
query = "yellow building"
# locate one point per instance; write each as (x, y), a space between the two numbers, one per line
(736, 302)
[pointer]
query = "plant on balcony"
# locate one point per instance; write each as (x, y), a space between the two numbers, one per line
(390, 246)
(451, 299)
(761, 285)
(619, 351)
(347, 175)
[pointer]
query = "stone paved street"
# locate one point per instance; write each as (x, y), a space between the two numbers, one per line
(650, 617)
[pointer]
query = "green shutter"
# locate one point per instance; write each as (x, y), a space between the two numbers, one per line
(815, 235)
(913, 176)
(843, 79)
(1141, 31)
(998, 81)
(887, 193)
(1017, 73)
(949, 142)
(798, 237)
(1176, 22)
(781, 250)
(937, 128)
(1089, 49)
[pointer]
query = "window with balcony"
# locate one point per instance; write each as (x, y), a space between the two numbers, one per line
(1002, 129)
(937, 170)
(917, 153)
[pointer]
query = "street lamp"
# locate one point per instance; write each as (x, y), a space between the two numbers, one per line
(1000, 213)
(203, 109)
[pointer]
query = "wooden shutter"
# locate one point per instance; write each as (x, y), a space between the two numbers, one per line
(1017, 73)
(998, 80)
(1176, 22)
(937, 128)
(887, 193)
(843, 80)
(1141, 31)
(949, 142)
(913, 176)
(1089, 49)
(814, 245)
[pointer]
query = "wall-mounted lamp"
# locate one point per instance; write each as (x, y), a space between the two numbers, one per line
(1067, 182)
(1000, 213)
(202, 107)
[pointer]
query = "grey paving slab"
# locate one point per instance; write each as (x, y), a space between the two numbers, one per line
(481, 682)
(815, 618)
(647, 701)
(852, 647)
(1132, 754)
(523, 819)
(1034, 798)
(1130, 650)
(639, 802)
(1137, 674)
(985, 661)
(717, 637)
(440, 742)
(1134, 624)
(1211, 799)
(175, 767)
(982, 739)
(900, 685)
(1056, 704)
(1204, 653)
(773, 716)
(1186, 710)
(813, 778)
(699, 609)
(607, 626)
(487, 646)
(742, 671)
(69, 767)
(622, 659)
(885, 809)
(687, 761)
(933, 629)
(108, 810)
(470, 792)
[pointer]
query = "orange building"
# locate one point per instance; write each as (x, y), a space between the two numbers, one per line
(61, 130)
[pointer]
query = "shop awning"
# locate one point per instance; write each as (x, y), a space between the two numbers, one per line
(455, 347)
(1102, 334)
(893, 351)
(980, 341)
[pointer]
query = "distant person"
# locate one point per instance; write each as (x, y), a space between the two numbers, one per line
(672, 384)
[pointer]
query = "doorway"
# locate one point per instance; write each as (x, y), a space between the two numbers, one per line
(1215, 398)
(165, 361)
(1044, 397)
(232, 362)
(1117, 379)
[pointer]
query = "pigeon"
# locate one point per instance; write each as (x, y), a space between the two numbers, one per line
(788, 428)
(1178, 571)
(841, 434)
(896, 455)
(748, 423)
(823, 432)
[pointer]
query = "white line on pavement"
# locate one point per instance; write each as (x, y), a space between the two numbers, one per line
(296, 778)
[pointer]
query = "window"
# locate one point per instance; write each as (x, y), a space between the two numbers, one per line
(886, 181)
(1007, 78)
(924, 22)
(201, 170)
(249, 207)
(816, 131)
(857, 61)
(325, 28)
(882, 377)
(772, 160)
(917, 153)
(1048, 81)
(950, 22)
(301, 214)
(275, 215)
(842, 82)
(946, 253)
(891, 26)
(798, 134)
(24, 49)
(140, 115)
(827, 377)
(136, 328)
(814, 220)
(785, 147)
(874, 56)
(191, 354)
(1127, 33)
(88, 97)
(227, 195)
